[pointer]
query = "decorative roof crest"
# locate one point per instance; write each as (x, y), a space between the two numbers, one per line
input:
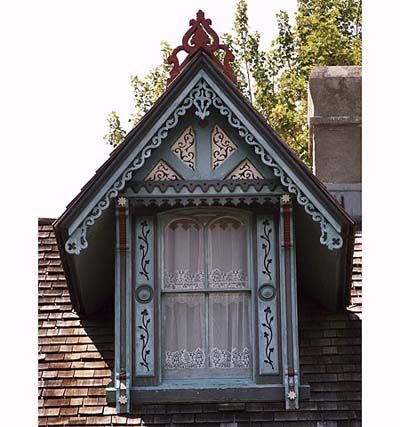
(200, 36)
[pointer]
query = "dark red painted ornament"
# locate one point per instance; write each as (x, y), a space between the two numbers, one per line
(122, 229)
(200, 36)
(287, 213)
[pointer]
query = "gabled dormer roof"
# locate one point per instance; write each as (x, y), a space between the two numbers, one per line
(202, 88)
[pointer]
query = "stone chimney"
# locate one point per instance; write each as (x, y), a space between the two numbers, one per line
(334, 115)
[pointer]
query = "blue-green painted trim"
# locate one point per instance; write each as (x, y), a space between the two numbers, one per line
(283, 287)
(251, 191)
(211, 95)
(144, 312)
(289, 313)
(293, 290)
(117, 315)
(255, 139)
(267, 310)
(128, 304)
(121, 369)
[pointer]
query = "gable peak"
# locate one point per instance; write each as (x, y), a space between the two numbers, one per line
(199, 36)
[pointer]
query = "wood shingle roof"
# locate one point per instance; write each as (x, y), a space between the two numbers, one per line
(76, 358)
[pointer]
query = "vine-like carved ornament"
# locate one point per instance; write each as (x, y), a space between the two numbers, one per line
(144, 338)
(144, 249)
(202, 97)
(268, 334)
(266, 247)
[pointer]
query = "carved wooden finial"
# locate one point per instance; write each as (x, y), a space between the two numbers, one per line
(200, 36)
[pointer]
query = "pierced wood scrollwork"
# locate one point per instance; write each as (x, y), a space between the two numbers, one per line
(266, 247)
(267, 293)
(144, 296)
(144, 338)
(162, 172)
(245, 170)
(184, 148)
(202, 97)
(221, 146)
(201, 36)
(144, 249)
(268, 335)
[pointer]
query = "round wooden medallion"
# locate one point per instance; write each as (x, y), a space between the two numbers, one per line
(144, 294)
(266, 292)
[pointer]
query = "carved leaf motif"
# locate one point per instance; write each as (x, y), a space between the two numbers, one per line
(221, 146)
(245, 170)
(144, 338)
(266, 247)
(144, 249)
(184, 148)
(162, 172)
(268, 334)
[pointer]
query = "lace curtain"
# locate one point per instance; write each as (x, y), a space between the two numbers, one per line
(227, 254)
(206, 331)
(184, 255)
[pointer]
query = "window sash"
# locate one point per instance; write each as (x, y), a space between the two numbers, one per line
(235, 352)
(207, 291)
(205, 239)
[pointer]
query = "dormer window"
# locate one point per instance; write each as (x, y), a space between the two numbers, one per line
(212, 219)
(208, 297)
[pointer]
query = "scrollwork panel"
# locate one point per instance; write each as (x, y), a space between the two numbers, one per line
(144, 306)
(267, 299)
(185, 148)
(202, 97)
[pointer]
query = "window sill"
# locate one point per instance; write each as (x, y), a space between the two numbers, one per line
(209, 391)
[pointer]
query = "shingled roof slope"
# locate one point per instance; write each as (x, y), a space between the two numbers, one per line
(76, 358)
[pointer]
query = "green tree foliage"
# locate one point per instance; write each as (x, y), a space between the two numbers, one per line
(116, 133)
(145, 92)
(325, 32)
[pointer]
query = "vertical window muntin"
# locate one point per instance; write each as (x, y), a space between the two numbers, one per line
(237, 364)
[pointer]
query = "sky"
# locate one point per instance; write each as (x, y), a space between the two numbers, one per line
(76, 67)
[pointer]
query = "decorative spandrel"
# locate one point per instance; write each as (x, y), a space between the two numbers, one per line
(245, 170)
(185, 148)
(221, 146)
(162, 172)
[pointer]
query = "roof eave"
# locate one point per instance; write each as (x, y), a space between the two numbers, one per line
(117, 156)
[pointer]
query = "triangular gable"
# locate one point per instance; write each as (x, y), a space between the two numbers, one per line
(202, 88)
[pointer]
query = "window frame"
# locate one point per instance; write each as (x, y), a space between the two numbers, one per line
(246, 217)
(145, 389)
